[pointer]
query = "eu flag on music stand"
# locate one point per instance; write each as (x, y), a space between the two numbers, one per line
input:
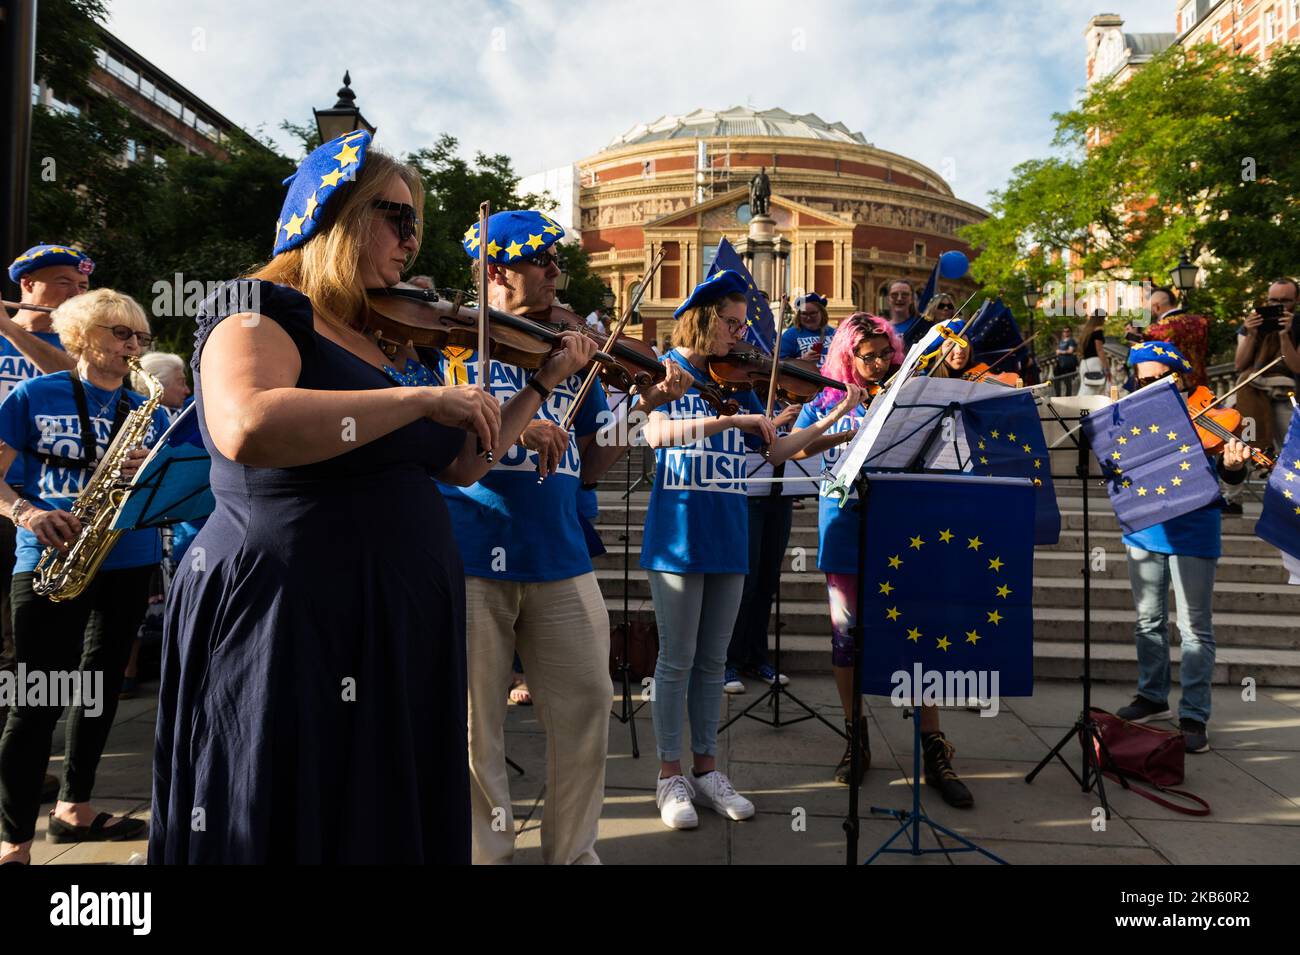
(1151, 457)
(760, 329)
(948, 580)
(1005, 439)
(992, 333)
(1279, 522)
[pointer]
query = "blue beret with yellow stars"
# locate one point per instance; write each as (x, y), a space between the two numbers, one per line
(321, 173)
(810, 297)
(514, 235)
(718, 285)
(44, 256)
(1162, 352)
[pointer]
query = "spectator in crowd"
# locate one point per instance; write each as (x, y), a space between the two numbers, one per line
(903, 315)
(1260, 341)
(1190, 334)
(1094, 370)
(1067, 361)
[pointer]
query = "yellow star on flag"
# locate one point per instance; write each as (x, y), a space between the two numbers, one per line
(1135, 431)
(944, 643)
(1122, 440)
(892, 613)
(1185, 466)
(972, 636)
(1176, 481)
(974, 543)
(945, 536)
(1184, 448)
(994, 616)
(983, 460)
(1142, 492)
(1004, 591)
(981, 445)
(895, 562)
(1171, 436)
(913, 633)
(886, 588)
(1287, 495)
(1154, 429)
(1027, 448)
(1115, 455)
(996, 563)
(994, 433)
(1289, 475)
(1160, 489)
(1126, 483)
(916, 543)
(1038, 463)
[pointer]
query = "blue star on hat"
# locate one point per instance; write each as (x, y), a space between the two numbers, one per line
(514, 235)
(44, 256)
(718, 285)
(1162, 352)
(310, 188)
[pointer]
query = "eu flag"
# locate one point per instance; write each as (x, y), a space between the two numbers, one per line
(1005, 439)
(760, 329)
(1151, 457)
(992, 333)
(948, 581)
(1279, 523)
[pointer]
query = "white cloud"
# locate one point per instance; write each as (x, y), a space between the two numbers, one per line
(960, 85)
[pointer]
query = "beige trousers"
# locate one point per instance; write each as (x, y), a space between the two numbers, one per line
(561, 630)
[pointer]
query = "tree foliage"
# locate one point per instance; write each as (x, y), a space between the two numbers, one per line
(1195, 152)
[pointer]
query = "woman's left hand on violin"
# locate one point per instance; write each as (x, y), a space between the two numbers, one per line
(572, 354)
(1235, 454)
(789, 414)
(675, 384)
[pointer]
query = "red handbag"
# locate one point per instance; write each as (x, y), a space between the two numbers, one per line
(1134, 752)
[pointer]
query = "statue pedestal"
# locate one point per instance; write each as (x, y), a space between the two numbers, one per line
(758, 249)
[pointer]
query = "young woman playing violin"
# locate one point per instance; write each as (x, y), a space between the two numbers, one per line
(696, 547)
(1183, 551)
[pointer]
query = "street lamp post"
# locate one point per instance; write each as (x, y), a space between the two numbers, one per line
(1183, 275)
(343, 117)
(1032, 295)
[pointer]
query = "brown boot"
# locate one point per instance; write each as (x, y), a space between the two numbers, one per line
(938, 753)
(842, 771)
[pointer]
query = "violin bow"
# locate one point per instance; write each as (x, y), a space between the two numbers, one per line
(25, 307)
(989, 369)
(484, 359)
(1233, 391)
(617, 330)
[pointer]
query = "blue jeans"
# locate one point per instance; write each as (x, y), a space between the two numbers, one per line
(695, 614)
(1193, 580)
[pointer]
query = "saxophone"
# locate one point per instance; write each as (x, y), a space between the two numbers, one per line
(63, 576)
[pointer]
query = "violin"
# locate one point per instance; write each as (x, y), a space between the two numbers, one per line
(1217, 426)
(634, 362)
(745, 368)
(981, 372)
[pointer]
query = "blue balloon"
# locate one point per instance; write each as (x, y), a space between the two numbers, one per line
(953, 265)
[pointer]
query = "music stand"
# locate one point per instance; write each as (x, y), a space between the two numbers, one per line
(173, 484)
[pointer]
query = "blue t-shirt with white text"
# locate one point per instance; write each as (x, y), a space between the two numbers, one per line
(698, 518)
(798, 342)
(40, 415)
(837, 527)
(15, 368)
(508, 526)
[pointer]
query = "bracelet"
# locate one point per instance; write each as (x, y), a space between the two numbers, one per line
(17, 510)
(540, 388)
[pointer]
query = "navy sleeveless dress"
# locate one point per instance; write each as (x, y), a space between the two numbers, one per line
(313, 696)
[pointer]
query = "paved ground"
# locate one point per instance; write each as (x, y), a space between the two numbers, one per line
(1251, 779)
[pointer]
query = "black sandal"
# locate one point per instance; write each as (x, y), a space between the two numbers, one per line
(97, 831)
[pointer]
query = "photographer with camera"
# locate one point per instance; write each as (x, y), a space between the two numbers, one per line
(1269, 331)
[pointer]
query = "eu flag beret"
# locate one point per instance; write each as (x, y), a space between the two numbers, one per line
(44, 256)
(518, 234)
(718, 285)
(326, 168)
(1162, 352)
(810, 297)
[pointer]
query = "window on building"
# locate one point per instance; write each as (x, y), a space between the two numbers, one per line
(1270, 26)
(1295, 12)
(918, 249)
(1188, 16)
(1217, 32)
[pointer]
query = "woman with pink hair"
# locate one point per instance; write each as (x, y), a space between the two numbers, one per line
(864, 352)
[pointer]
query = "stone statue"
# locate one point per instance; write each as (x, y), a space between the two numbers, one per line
(760, 191)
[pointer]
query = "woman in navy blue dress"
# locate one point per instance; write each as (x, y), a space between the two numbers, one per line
(312, 706)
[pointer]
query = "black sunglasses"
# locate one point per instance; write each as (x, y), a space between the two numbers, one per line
(124, 334)
(407, 220)
(1143, 382)
(545, 259)
(948, 306)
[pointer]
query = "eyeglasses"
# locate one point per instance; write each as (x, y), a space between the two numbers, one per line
(735, 324)
(945, 306)
(407, 220)
(814, 313)
(124, 334)
(871, 357)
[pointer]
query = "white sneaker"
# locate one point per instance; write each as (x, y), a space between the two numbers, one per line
(715, 791)
(732, 683)
(673, 797)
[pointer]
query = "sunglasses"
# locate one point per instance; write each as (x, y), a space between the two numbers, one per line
(407, 220)
(124, 334)
(545, 259)
(944, 306)
(1143, 382)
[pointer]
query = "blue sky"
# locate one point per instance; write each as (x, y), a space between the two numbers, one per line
(965, 86)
